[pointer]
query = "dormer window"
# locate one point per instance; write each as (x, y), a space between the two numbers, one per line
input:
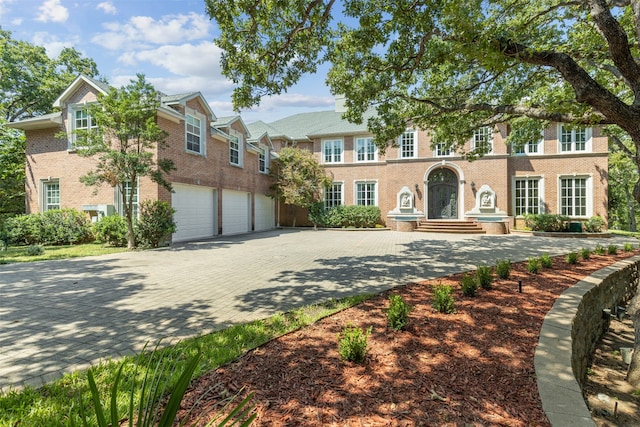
(80, 121)
(194, 132)
(262, 160)
(235, 148)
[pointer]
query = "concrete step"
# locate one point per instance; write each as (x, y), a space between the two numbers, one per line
(457, 227)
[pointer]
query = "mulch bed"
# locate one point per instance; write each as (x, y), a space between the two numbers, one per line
(471, 368)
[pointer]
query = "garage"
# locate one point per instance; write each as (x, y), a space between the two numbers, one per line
(195, 215)
(265, 213)
(236, 212)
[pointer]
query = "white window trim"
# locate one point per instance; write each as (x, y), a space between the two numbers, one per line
(588, 146)
(489, 137)
(326, 141)
(589, 195)
(118, 200)
(240, 137)
(341, 183)
(71, 124)
(43, 193)
(203, 132)
(415, 144)
(367, 140)
(435, 150)
(539, 144)
(365, 181)
(541, 195)
(264, 151)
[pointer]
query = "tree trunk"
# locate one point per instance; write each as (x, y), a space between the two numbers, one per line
(633, 375)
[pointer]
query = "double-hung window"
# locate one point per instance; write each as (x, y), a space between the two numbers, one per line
(442, 150)
(236, 144)
(482, 142)
(332, 151)
(194, 133)
(407, 144)
(50, 195)
(333, 195)
(127, 192)
(366, 151)
(573, 196)
(574, 139)
(527, 196)
(81, 122)
(366, 193)
(262, 160)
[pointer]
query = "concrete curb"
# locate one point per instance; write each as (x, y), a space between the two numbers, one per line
(560, 392)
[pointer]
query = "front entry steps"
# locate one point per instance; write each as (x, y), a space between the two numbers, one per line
(449, 226)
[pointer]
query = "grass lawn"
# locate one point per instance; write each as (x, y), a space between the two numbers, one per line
(19, 253)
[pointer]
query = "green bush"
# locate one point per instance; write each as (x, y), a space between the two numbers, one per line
(54, 227)
(628, 247)
(503, 268)
(612, 249)
(35, 250)
(572, 258)
(352, 344)
(318, 214)
(111, 230)
(533, 265)
(155, 224)
(546, 261)
(585, 253)
(600, 250)
(595, 224)
(547, 222)
(398, 312)
(469, 285)
(351, 216)
(443, 300)
(484, 276)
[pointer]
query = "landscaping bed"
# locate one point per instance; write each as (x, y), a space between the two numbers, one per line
(470, 368)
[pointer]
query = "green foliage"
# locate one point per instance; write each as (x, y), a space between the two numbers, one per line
(12, 171)
(600, 250)
(352, 216)
(398, 312)
(111, 230)
(155, 224)
(53, 227)
(572, 258)
(503, 268)
(628, 247)
(546, 261)
(298, 178)
(612, 249)
(595, 224)
(443, 299)
(623, 174)
(533, 265)
(547, 222)
(35, 250)
(585, 253)
(484, 276)
(352, 344)
(469, 285)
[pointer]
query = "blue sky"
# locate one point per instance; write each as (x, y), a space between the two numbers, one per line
(170, 41)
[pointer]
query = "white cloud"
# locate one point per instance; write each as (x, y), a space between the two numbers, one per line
(4, 6)
(187, 59)
(107, 7)
(52, 44)
(52, 11)
(15, 21)
(146, 31)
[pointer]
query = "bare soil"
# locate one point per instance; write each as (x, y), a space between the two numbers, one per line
(471, 368)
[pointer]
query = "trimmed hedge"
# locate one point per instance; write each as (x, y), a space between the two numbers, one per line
(547, 222)
(54, 227)
(347, 216)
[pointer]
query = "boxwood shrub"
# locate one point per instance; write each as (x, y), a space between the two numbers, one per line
(348, 216)
(547, 222)
(53, 227)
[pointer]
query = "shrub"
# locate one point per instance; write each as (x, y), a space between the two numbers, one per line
(595, 224)
(612, 249)
(628, 247)
(398, 313)
(353, 216)
(469, 285)
(443, 300)
(546, 261)
(352, 344)
(585, 253)
(318, 214)
(155, 224)
(111, 230)
(23, 229)
(484, 275)
(533, 265)
(547, 222)
(503, 268)
(54, 227)
(572, 258)
(600, 250)
(35, 250)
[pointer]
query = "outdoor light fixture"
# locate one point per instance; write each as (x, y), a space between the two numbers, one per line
(473, 186)
(416, 187)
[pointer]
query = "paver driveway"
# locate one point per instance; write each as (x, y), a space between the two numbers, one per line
(57, 316)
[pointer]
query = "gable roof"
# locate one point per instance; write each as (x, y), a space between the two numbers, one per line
(79, 81)
(227, 121)
(304, 126)
(183, 98)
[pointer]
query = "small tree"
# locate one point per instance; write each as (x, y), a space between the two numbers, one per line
(125, 143)
(298, 178)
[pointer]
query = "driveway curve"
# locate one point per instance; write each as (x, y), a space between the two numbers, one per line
(59, 316)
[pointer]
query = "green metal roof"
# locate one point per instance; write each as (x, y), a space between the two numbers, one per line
(304, 126)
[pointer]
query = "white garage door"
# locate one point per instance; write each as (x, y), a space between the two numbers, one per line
(195, 212)
(236, 212)
(265, 213)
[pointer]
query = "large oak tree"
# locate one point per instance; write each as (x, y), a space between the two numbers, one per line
(449, 65)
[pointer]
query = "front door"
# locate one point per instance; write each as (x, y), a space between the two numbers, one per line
(443, 194)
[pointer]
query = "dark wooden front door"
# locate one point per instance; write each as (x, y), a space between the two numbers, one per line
(443, 194)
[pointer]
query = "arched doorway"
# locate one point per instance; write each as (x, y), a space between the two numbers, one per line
(442, 194)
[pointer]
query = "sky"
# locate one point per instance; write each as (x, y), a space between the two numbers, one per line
(169, 41)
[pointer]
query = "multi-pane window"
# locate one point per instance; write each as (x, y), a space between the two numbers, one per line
(366, 150)
(407, 144)
(482, 142)
(366, 193)
(527, 196)
(332, 151)
(51, 193)
(573, 196)
(83, 121)
(194, 137)
(262, 160)
(442, 150)
(234, 150)
(573, 139)
(333, 195)
(528, 148)
(127, 187)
